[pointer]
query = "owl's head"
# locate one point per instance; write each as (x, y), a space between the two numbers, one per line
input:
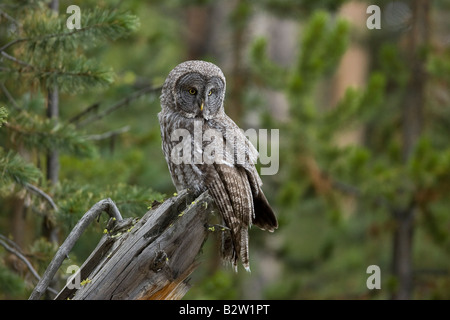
(195, 89)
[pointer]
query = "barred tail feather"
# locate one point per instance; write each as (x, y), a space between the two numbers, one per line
(227, 249)
(234, 246)
(244, 249)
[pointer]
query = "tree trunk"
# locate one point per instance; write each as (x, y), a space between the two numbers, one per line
(412, 118)
(53, 113)
(49, 229)
(402, 253)
(198, 24)
(147, 258)
(238, 80)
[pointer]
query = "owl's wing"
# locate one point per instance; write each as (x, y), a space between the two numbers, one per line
(231, 191)
(262, 215)
(236, 189)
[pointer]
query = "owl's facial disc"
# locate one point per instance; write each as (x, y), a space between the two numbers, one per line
(213, 97)
(199, 96)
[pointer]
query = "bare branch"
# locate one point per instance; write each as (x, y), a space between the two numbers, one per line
(11, 19)
(91, 108)
(9, 96)
(147, 258)
(106, 205)
(121, 103)
(16, 252)
(108, 134)
(9, 44)
(42, 194)
(18, 61)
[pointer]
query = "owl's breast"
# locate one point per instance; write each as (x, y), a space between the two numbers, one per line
(182, 152)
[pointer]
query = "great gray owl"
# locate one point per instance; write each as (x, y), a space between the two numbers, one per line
(193, 121)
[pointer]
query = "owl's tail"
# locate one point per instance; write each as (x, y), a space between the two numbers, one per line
(235, 246)
(231, 192)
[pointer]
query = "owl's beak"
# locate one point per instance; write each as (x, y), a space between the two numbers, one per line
(201, 106)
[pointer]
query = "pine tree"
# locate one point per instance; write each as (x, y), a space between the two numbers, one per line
(339, 205)
(398, 175)
(42, 62)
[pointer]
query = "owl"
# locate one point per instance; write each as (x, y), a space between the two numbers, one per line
(192, 120)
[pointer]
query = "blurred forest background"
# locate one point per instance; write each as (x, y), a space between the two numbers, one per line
(363, 114)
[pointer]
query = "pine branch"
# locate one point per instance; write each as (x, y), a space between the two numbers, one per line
(127, 197)
(70, 74)
(14, 168)
(43, 30)
(268, 71)
(3, 112)
(121, 103)
(48, 134)
(50, 47)
(322, 45)
(46, 32)
(76, 77)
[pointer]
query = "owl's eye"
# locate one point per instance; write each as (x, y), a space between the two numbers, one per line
(192, 91)
(210, 92)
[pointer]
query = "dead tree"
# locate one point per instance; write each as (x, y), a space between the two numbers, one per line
(146, 258)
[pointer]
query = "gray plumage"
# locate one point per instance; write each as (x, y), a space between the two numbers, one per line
(192, 99)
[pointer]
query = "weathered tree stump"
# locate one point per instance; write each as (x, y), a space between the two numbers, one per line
(146, 258)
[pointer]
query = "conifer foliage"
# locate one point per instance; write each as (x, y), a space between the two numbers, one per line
(364, 154)
(39, 55)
